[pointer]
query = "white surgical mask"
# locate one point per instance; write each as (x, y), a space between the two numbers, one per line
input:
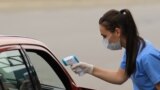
(112, 46)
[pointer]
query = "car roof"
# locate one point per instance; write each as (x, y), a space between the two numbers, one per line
(9, 40)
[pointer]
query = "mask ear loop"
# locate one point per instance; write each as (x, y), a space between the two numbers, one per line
(120, 41)
(105, 41)
(108, 38)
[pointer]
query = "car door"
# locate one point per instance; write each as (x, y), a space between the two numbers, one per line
(50, 72)
(14, 70)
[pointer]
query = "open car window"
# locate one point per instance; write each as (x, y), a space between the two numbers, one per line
(47, 76)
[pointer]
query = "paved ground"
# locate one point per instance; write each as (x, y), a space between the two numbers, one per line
(75, 31)
(56, 4)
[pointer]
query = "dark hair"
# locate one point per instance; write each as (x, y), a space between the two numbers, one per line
(124, 20)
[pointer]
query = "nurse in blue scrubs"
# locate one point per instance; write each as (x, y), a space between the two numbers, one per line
(141, 60)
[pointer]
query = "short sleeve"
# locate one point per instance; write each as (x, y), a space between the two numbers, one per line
(151, 65)
(123, 61)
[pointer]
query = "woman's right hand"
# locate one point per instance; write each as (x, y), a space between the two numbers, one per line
(82, 68)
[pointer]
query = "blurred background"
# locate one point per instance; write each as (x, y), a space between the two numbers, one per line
(71, 27)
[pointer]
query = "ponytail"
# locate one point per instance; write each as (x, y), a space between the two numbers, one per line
(133, 42)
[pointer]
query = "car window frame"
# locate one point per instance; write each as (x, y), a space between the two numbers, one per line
(64, 76)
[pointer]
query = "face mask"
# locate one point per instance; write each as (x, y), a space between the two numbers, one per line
(112, 46)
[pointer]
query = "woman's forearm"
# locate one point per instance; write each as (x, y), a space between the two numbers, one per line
(114, 77)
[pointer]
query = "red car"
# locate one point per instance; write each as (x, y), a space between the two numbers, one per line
(27, 64)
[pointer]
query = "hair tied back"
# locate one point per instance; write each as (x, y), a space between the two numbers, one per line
(123, 12)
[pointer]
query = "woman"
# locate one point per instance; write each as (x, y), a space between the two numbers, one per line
(141, 60)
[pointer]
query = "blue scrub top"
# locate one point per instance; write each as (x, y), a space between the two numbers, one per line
(147, 73)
